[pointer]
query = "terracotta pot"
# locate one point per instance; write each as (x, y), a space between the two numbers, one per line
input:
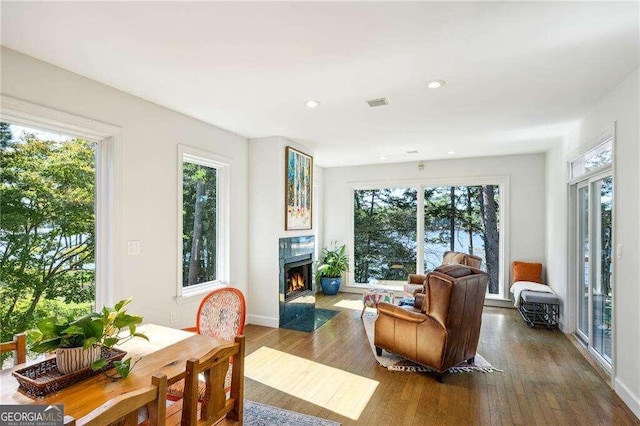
(69, 360)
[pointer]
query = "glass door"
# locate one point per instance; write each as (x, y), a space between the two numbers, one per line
(583, 261)
(602, 283)
(594, 278)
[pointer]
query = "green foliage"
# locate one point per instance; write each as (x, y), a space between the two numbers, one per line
(105, 328)
(385, 234)
(199, 233)
(47, 229)
(334, 263)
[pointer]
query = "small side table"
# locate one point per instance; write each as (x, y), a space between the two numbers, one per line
(371, 298)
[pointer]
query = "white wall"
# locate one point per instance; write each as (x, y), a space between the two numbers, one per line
(266, 223)
(621, 105)
(526, 195)
(150, 135)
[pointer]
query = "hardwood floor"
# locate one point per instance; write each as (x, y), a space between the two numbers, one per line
(545, 380)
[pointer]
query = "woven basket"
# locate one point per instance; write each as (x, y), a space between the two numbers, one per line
(44, 377)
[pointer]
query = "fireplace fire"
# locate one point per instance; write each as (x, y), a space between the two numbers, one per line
(296, 282)
(298, 278)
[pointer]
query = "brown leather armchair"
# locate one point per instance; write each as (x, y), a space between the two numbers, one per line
(443, 327)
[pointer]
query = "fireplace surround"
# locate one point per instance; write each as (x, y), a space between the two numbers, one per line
(297, 289)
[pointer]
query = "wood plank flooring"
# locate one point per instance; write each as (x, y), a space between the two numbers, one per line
(545, 380)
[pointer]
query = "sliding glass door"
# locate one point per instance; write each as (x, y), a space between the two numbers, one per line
(594, 262)
(602, 282)
(583, 261)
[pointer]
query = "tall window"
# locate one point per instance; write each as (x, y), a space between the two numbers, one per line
(392, 238)
(47, 227)
(385, 234)
(202, 230)
(464, 219)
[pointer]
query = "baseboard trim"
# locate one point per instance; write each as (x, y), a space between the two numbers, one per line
(632, 401)
(497, 303)
(263, 321)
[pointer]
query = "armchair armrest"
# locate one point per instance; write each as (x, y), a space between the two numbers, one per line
(400, 313)
(419, 301)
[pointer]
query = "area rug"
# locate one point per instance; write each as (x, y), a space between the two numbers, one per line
(312, 321)
(394, 362)
(256, 414)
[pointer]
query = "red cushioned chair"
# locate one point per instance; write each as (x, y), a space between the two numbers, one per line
(221, 315)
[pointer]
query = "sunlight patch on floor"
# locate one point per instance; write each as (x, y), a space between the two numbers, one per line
(356, 305)
(339, 391)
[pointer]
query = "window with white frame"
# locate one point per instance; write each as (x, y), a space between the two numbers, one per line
(60, 227)
(402, 230)
(203, 221)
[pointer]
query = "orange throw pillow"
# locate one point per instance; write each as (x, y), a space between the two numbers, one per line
(525, 271)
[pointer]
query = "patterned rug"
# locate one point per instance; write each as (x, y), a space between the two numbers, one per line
(394, 362)
(256, 414)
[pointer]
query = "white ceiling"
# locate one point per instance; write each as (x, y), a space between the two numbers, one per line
(518, 74)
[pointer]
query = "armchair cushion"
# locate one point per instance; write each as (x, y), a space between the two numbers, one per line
(455, 271)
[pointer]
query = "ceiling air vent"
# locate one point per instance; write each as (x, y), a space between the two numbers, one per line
(377, 102)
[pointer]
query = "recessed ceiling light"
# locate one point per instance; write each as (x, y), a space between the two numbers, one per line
(313, 104)
(383, 158)
(434, 84)
(451, 152)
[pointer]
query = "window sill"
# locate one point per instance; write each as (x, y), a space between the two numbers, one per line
(195, 295)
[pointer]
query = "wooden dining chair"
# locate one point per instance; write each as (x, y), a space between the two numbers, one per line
(18, 346)
(221, 315)
(214, 406)
(123, 409)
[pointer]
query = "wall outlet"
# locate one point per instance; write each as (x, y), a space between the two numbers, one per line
(173, 318)
(133, 247)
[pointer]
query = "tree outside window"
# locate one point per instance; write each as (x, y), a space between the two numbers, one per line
(47, 227)
(199, 224)
(457, 218)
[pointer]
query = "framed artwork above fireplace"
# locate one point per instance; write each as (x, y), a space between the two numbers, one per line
(298, 190)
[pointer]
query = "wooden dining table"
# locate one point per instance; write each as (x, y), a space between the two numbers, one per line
(166, 351)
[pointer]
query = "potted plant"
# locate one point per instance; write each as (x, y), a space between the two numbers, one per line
(78, 342)
(332, 265)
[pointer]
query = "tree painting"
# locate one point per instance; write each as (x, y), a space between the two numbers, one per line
(199, 216)
(298, 190)
(47, 244)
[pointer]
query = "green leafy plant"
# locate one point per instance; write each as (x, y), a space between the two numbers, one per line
(333, 263)
(107, 328)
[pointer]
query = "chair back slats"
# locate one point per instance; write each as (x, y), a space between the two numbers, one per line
(18, 346)
(123, 409)
(214, 403)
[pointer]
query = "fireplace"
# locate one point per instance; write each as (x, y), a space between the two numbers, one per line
(298, 276)
(297, 290)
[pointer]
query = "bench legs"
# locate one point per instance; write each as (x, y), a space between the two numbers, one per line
(544, 314)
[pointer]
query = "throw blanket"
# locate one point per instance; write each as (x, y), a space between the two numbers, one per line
(520, 286)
